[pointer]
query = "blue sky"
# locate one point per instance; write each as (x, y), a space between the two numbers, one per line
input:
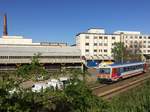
(61, 20)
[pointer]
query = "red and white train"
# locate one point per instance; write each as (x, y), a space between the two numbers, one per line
(115, 72)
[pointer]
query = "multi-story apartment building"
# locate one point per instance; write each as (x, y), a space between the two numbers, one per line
(95, 44)
(135, 41)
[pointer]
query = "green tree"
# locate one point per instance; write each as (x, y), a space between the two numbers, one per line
(135, 51)
(123, 54)
(119, 51)
(81, 99)
(32, 71)
(76, 97)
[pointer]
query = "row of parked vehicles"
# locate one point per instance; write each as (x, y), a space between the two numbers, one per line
(53, 84)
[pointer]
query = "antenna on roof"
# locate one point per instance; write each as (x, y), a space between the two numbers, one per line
(5, 33)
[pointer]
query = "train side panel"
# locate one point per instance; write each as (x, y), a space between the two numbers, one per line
(122, 71)
(131, 73)
(128, 71)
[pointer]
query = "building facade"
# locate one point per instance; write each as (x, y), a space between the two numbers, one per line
(16, 51)
(95, 44)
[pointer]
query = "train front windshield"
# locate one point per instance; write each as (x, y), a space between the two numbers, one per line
(104, 71)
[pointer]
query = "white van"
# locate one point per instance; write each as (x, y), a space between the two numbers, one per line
(37, 87)
(54, 83)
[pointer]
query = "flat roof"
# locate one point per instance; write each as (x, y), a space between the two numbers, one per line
(45, 51)
(96, 33)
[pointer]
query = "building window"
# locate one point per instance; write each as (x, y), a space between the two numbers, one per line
(100, 50)
(144, 37)
(148, 50)
(144, 46)
(136, 42)
(100, 37)
(135, 46)
(149, 37)
(131, 46)
(136, 37)
(113, 37)
(105, 50)
(95, 50)
(95, 37)
(87, 37)
(140, 37)
(105, 44)
(100, 44)
(105, 37)
(95, 44)
(87, 50)
(144, 41)
(87, 44)
(131, 37)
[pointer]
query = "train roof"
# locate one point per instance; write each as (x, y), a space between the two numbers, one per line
(122, 64)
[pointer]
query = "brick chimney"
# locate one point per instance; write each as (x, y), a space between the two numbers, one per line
(5, 33)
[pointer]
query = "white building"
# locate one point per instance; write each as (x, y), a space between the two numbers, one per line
(95, 44)
(136, 41)
(15, 40)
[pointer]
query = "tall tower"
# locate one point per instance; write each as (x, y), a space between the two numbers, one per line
(5, 33)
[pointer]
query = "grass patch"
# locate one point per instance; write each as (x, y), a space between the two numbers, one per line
(135, 100)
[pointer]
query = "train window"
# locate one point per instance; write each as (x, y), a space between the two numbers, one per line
(121, 70)
(134, 67)
(126, 69)
(104, 70)
(140, 66)
(129, 68)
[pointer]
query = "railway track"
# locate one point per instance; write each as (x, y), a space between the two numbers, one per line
(99, 86)
(108, 91)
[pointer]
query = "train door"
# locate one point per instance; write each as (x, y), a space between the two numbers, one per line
(114, 73)
(145, 67)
